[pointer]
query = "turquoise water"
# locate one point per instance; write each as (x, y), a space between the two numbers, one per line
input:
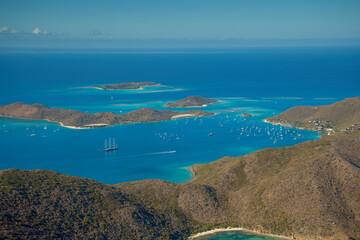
(261, 82)
(233, 235)
(146, 150)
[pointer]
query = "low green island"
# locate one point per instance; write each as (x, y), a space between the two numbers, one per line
(126, 85)
(306, 191)
(192, 101)
(79, 120)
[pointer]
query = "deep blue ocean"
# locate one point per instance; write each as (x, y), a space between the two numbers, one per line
(263, 82)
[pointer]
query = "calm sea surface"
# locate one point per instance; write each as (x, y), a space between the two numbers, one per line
(263, 82)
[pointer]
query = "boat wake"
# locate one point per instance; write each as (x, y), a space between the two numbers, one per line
(166, 152)
(147, 154)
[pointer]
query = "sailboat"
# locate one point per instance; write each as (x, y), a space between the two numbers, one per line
(110, 147)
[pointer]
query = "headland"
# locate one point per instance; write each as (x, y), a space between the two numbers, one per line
(339, 116)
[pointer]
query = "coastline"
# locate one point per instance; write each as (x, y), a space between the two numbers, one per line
(301, 128)
(218, 230)
(186, 115)
(203, 105)
(190, 169)
(110, 89)
(199, 106)
(71, 127)
(138, 88)
(101, 125)
(89, 126)
(83, 120)
(100, 88)
(288, 125)
(281, 124)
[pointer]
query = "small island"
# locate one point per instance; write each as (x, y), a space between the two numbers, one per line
(339, 116)
(246, 115)
(81, 120)
(126, 85)
(193, 101)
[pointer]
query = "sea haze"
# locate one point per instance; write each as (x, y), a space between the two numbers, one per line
(263, 82)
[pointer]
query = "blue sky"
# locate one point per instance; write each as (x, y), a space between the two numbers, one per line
(181, 19)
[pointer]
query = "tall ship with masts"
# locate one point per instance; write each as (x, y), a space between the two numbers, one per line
(110, 146)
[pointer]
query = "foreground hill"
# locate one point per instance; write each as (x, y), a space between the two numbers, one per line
(79, 119)
(193, 101)
(309, 191)
(338, 116)
(126, 85)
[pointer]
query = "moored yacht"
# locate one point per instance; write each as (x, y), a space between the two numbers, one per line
(112, 147)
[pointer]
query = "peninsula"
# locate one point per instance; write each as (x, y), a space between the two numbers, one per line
(77, 119)
(193, 101)
(339, 116)
(126, 85)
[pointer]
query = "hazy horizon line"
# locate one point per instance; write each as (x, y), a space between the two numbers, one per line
(160, 43)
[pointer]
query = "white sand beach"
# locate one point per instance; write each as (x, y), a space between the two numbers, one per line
(182, 116)
(88, 126)
(216, 230)
(72, 127)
